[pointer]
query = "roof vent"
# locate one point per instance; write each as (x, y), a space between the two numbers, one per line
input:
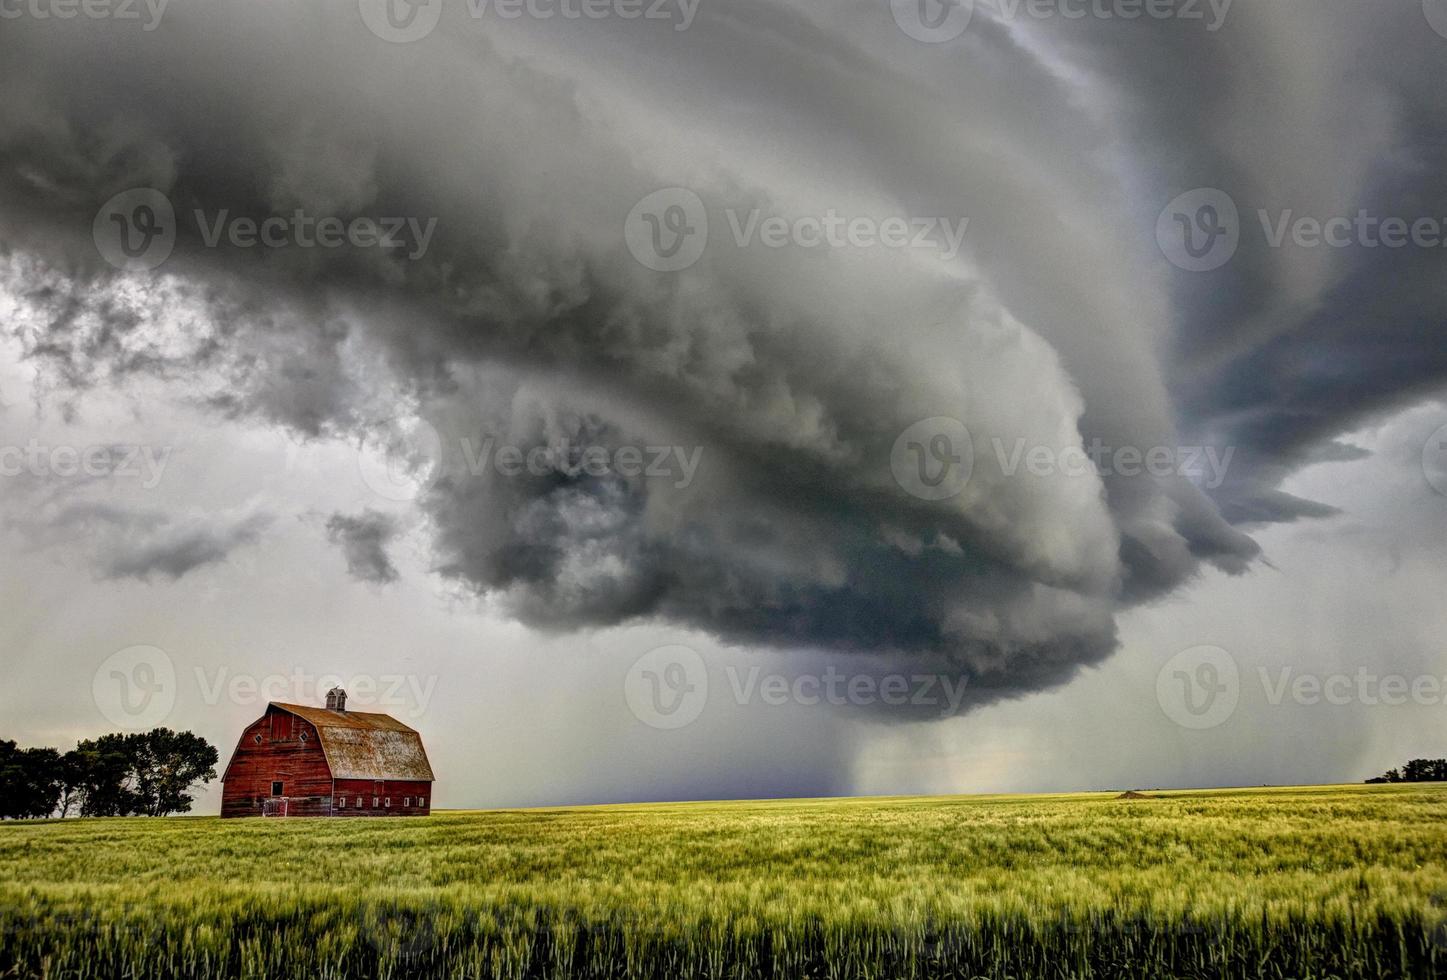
(336, 699)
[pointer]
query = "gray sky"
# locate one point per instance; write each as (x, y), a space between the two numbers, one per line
(743, 399)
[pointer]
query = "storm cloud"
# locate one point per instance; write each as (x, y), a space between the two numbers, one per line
(511, 315)
(142, 544)
(364, 539)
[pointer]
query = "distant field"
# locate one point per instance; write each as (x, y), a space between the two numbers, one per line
(1330, 881)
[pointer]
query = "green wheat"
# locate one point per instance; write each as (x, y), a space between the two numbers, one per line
(1321, 882)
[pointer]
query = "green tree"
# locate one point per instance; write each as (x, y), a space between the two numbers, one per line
(104, 777)
(165, 765)
(29, 781)
(1425, 771)
(1416, 771)
(72, 790)
(150, 773)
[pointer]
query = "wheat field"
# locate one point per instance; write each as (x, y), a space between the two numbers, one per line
(1310, 882)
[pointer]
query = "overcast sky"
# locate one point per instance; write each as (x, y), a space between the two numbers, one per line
(695, 399)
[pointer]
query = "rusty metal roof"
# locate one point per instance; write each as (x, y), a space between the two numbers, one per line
(363, 745)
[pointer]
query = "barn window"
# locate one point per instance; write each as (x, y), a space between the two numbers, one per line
(359, 803)
(387, 801)
(406, 801)
(421, 801)
(276, 788)
(375, 802)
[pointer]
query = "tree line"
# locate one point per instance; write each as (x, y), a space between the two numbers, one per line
(1416, 771)
(140, 774)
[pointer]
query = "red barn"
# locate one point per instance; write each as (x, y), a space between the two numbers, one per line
(299, 761)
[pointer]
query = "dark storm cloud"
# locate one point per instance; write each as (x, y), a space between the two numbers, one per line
(364, 540)
(1316, 111)
(526, 323)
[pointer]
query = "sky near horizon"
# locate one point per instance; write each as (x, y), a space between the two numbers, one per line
(693, 400)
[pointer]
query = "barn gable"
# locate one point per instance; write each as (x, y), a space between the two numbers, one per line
(364, 745)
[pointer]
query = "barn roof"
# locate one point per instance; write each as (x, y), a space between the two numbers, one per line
(363, 745)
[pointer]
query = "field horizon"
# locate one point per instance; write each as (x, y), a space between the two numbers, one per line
(1346, 881)
(1040, 795)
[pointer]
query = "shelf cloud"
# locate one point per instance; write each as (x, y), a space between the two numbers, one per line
(366, 240)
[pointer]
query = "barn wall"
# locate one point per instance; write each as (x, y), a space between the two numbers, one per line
(400, 792)
(278, 746)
